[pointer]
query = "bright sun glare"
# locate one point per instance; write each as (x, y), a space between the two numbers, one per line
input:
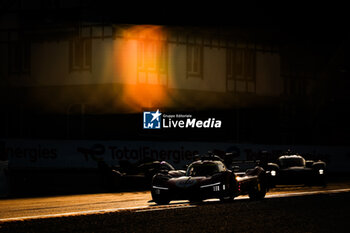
(141, 63)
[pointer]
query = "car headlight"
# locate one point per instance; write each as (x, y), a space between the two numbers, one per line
(321, 171)
(216, 186)
(273, 173)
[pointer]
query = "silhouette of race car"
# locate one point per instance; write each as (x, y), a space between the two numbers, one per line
(131, 175)
(294, 169)
(206, 179)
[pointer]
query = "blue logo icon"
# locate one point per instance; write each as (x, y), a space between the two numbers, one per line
(151, 120)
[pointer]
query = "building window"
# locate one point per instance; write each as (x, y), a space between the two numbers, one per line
(298, 77)
(19, 58)
(152, 56)
(163, 61)
(80, 51)
(240, 64)
(147, 56)
(194, 60)
(240, 69)
(152, 62)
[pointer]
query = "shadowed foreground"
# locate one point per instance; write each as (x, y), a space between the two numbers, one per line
(318, 213)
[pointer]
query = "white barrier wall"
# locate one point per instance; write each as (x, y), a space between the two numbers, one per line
(86, 154)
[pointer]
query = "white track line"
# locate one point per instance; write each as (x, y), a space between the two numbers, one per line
(71, 213)
(308, 193)
(166, 208)
(147, 208)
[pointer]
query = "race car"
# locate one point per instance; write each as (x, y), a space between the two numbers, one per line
(140, 175)
(294, 169)
(206, 179)
(136, 176)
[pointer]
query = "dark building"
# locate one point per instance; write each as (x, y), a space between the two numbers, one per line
(74, 70)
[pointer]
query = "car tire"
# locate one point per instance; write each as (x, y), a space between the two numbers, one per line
(194, 201)
(258, 191)
(161, 201)
(227, 195)
(226, 199)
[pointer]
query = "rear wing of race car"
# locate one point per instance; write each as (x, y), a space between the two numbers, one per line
(228, 159)
(244, 165)
(211, 157)
(219, 155)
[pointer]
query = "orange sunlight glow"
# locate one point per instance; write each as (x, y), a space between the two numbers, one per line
(141, 57)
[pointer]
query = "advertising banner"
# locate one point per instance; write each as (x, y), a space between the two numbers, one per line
(87, 154)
